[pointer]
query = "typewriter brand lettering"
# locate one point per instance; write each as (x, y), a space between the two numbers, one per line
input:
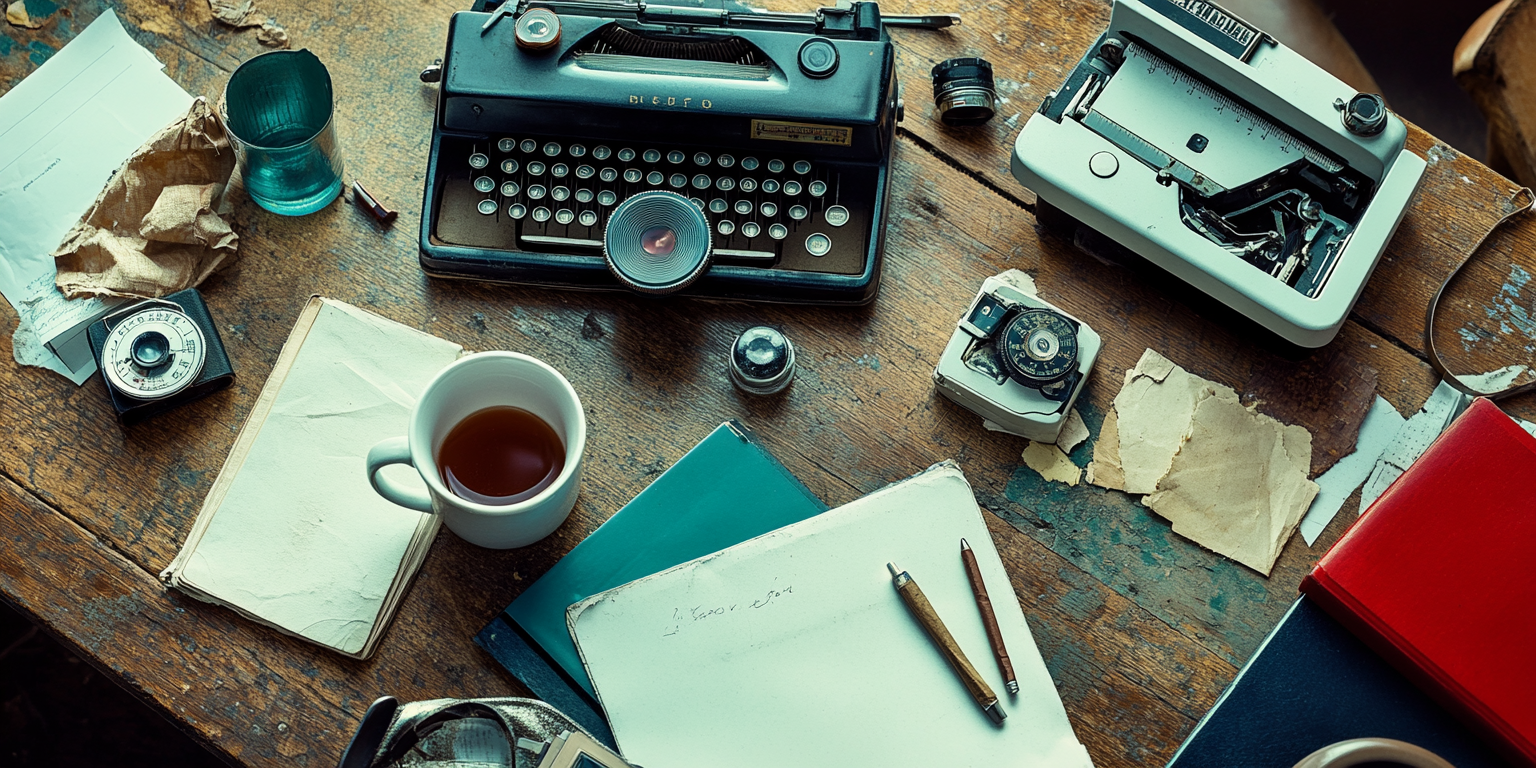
(1210, 22)
(686, 102)
(805, 133)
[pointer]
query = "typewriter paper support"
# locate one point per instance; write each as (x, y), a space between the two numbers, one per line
(1227, 159)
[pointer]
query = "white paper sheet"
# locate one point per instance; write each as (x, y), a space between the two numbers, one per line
(64, 130)
(1381, 423)
(794, 649)
(301, 540)
(1413, 438)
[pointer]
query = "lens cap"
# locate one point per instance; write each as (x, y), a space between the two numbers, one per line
(657, 242)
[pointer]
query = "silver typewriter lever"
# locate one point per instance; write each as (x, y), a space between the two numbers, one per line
(921, 21)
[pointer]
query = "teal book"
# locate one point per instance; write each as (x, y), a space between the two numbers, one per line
(727, 489)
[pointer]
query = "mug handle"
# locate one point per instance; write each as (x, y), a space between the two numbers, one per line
(1357, 751)
(395, 450)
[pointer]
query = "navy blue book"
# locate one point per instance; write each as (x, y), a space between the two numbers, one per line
(1311, 684)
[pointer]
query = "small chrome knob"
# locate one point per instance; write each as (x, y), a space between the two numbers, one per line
(1365, 114)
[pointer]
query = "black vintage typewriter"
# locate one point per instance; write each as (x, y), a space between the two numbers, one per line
(708, 150)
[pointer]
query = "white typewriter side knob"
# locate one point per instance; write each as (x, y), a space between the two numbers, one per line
(538, 30)
(1365, 114)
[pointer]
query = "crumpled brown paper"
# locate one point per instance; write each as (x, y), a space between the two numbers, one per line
(237, 13)
(156, 228)
(16, 15)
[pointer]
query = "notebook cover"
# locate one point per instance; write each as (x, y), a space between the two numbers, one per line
(727, 489)
(1312, 683)
(1437, 576)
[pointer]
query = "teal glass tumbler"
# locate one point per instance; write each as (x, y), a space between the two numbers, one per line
(279, 114)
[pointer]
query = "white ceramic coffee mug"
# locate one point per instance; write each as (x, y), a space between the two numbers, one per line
(468, 385)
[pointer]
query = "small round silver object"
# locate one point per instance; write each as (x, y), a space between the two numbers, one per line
(578, 150)
(484, 184)
(652, 156)
(702, 158)
(517, 210)
(565, 216)
(726, 227)
(676, 156)
(585, 171)
(529, 146)
(791, 187)
(487, 207)
(626, 154)
(607, 197)
(678, 180)
(588, 218)
(778, 231)
(818, 188)
(725, 183)
(154, 352)
(802, 167)
(770, 185)
(775, 166)
(551, 149)
(654, 178)
(1042, 344)
(536, 191)
(608, 174)
(1104, 164)
(702, 181)
(747, 163)
(601, 152)
(818, 244)
(719, 205)
(762, 361)
(769, 209)
(506, 145)
(541, 214)
(560, 170)
(535, 168)
(798, 212)
(751, 229)
(743, 207)
(836, 216)
(583, 195)
(727, 161)
(510, 189)
(560, 194)
(747, 185)
(633, 175)
(509, 166)
(478, 160)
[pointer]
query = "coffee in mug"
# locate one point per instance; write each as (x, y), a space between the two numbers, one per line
(500, 455)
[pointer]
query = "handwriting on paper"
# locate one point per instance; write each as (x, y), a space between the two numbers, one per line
(684, 617)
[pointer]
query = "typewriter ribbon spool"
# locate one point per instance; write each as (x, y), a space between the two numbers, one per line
(657, 242)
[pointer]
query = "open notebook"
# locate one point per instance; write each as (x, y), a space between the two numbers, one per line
(291, 534)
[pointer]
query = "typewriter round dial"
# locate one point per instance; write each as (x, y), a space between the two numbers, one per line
(1038, 347)
(153, 353)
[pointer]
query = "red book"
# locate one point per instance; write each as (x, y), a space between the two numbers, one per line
(1439, 576)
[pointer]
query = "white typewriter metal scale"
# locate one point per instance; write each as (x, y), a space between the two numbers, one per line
(1200, 143)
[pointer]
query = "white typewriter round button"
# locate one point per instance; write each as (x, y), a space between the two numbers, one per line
(585, 171)
(798, 212)
(607, 197)
(601, 152)
(743, 207)
(775, 166)
(583, 195)
(836, 215)
(509, 166)
(751, 229)
(478, 160)
(1103, 164)
(749, 163)
(702, 158)
(565, 216)
(541, 214)
(701, 181)
(654, 178)
(578, 150)
(507, 145)
(633, 175)
(529, 146)
(778, 231)
(626, 154)
(536, 191)
(608, 174)
(727, 161)
(770, 185)
(725, 227)
(487, 207)
(802, 167)
(652, 156)
(559, 170)
(560, 194)
(588, 218)
(536, 168)
(791, 187)
(725, 183)
(551, 149)
(517, 210)
(818, 244)
(510, 189)
(676, 156)
(678, 180)
(718, 205)
(747, 185)
(818, 188)
(485, 184)
(769, 209)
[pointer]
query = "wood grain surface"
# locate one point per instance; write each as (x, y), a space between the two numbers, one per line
(1140, 628)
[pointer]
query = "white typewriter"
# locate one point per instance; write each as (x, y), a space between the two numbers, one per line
(1199, 142)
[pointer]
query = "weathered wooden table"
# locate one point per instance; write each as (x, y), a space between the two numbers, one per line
(1140, 628)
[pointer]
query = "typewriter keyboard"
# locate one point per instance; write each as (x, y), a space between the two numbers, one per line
(769, 210)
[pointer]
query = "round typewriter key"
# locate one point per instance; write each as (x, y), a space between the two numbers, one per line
(678, 180)
(507, 145)
(749, 163)
(702, 158)
(778, 231)
(725, 183)
(559, 170)
(536, 191)
(551, 149)
(743, 207)
(697, 203)
(748, 185)
(578, 150)
(652, 156)
(633, 175)
(585, 171)
(798, 212)
(485, 184)
(775, 166)
(478, 160)
(770, 185)
(726, 161)
(791, 187)
(560, 194)
(836, 215)
(818, 244)
(608, 174)
(701, 181)
(509, 166)
(657, 242)
(769, 209)
(517, 210)
(718, 206)
(726, 227)
(818, 188)
(607, 197)
(583, 195)
(537, 30)
(588, 218)
(654, 178)
(487, 207)
(541, 214)
(626, 154)
(676, 156)
(802, 167)
(751, 229)
(510, 189)
(601, 152)
(565, 216)
(536, 168)
(529, 146)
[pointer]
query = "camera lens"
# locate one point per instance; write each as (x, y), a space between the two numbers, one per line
(963, 91)
(657, 242)
(151, 349)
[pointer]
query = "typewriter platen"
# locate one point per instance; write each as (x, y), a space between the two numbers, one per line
(778, 127)
(1200, 143)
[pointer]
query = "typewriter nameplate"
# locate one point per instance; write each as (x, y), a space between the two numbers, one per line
(805, 133)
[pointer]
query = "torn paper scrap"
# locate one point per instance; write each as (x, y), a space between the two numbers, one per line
(1238, 484)
(1051, 463)
(272, 35)
(1334, 486)
(236, 13)
(16, 15)
(1073, 433)
(156, 229)
(1413, 438)
(1493, 382)
(1153, 412)
(1105, 470)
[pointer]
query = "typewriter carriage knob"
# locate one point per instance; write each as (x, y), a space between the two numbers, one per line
(1365, 114)
(537, 30)
(818, 58)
